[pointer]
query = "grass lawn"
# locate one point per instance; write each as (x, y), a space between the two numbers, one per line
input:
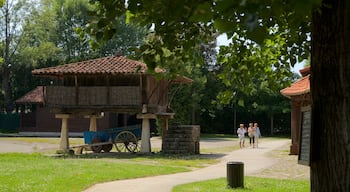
(255, 184)
(36, 172)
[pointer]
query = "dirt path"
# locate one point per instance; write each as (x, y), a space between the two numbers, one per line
(255, 161)
(286, 166)
(15, 146)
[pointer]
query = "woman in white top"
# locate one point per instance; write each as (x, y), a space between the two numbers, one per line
(241, 132)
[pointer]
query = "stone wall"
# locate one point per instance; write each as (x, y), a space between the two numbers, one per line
(182, 139)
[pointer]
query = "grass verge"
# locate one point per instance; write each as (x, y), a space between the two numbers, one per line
(35, 172)
(255, 184)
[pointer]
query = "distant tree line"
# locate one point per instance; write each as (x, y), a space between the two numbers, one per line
(36, 34)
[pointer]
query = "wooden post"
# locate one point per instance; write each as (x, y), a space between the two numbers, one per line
(64, 143)
(165, 124)
(165, 128)
(295, 126)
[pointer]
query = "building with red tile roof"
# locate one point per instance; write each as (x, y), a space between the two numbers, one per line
(111, 65)
(299, 94)
(300, 87)
(113, 84)
(35, 96)
(106, 65)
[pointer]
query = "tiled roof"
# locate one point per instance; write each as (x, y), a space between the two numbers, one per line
(111, 65)
(305, 71)
(299, 87)
(106, 65)
(34, 96)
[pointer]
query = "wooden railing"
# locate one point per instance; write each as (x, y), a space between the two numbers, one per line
(93, 97)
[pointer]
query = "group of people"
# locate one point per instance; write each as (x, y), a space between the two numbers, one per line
(253, 133)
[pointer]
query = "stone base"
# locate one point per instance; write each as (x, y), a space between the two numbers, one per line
(182, 139)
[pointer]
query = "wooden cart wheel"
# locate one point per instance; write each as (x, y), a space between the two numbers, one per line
(126, 141)
(138, 146)
(96, 148)
(107, 147)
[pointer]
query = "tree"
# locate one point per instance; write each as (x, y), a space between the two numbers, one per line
(180, 25)
(11, 19)
(70, 15)
(36, 48)
(330, 70)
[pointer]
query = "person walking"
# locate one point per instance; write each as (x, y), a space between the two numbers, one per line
(257, 134)
(251, 135)
(241, 132)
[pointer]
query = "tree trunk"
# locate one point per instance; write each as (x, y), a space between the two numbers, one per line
(7, 89)
(6, 68)
(234, 117)
(330, 90)
(271, 124)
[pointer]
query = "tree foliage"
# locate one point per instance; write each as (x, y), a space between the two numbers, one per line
(12, 15)
(267, 36)
(180, 25)
(46, 33)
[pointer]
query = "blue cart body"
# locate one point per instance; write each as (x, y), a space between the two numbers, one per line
(110, 134)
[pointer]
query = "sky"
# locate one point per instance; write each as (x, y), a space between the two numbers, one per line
(222, 40)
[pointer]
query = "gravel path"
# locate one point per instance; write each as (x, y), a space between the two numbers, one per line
(14, 146)
(255, 161)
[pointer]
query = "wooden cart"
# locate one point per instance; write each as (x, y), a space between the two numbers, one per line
(125, 139)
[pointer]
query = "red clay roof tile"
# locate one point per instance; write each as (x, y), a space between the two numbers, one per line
(299, 87)
(111, 65)
(305, 71)
(106, 65)
(34, 96)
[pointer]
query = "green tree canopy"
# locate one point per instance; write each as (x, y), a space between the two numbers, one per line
(180, 25)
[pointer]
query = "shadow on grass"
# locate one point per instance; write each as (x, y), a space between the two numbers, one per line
(158, 155)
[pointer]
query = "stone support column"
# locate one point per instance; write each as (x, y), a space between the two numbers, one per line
(64, 143)
(93, 122)
(146, 134)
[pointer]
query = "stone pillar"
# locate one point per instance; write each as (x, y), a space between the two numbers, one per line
(295, 126)
(93, 122)
(145, 134)
(64, 143)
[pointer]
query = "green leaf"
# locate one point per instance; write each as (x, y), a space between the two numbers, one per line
(258, 34)
(202, 13)
(240, 102)
(166, 52)
(99, 36)
(128, 17)
(223, 25)
(102, 23)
